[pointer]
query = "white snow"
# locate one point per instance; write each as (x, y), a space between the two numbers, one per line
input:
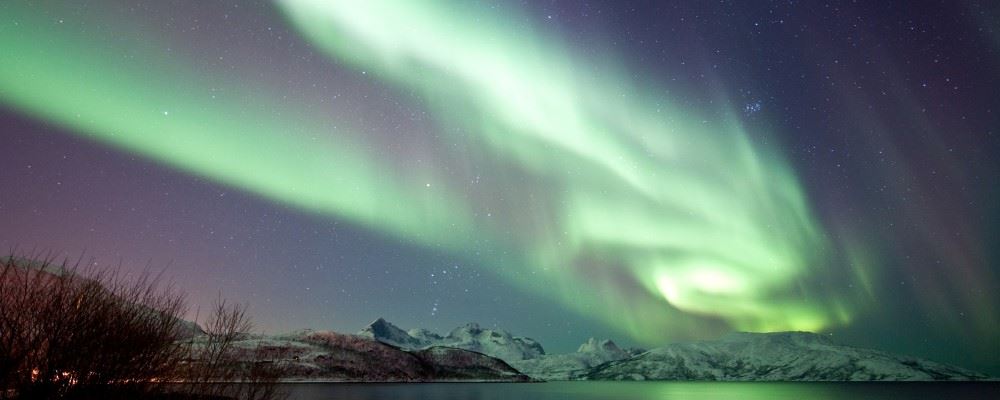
(492, 342)
(780, 356)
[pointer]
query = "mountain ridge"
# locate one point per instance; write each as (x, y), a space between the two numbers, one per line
(775, 356)
(470, 336)
(316, 355)
(382, 351)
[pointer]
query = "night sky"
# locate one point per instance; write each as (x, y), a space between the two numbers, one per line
(645, 172)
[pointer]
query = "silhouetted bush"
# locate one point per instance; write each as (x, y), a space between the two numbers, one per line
(74, 333)
(219, 367)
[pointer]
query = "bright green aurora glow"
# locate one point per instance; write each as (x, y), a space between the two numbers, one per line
(664, 221)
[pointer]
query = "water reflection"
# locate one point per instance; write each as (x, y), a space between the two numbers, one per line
(644, 391)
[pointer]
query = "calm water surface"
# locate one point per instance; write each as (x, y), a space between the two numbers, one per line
(644, 391)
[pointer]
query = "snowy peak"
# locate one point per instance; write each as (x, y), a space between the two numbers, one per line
(382, 328)
(470, 329)
(496, 343)
(591, 353)
(601, 347)
(424, 335)
(385, 332)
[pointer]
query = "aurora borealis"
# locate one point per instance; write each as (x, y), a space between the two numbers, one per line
(523, 165)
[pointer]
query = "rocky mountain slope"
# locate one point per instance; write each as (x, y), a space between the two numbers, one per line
(330, 356)
(781, 356)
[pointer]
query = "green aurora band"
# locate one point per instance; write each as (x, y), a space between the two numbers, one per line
(604, 195)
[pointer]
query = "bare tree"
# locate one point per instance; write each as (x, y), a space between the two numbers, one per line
(222, 366)
(73, 332)
(66, 333)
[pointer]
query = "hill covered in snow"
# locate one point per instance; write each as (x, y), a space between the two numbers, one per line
(779, 356)
(495, 343)
(384, 352)
(309, 355)
(576, 365)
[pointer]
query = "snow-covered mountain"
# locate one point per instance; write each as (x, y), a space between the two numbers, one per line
(384, 352)
(424, 335)
(385, 332)
(492, 342)
(330, 356)
(573, 365)
(780, 356)
(495, 343)
(603, 348)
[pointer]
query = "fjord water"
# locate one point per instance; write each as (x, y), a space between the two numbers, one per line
(647, 391)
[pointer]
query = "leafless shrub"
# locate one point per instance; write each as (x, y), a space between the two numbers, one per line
(65, 331)
(72, 332)
(223, 366)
